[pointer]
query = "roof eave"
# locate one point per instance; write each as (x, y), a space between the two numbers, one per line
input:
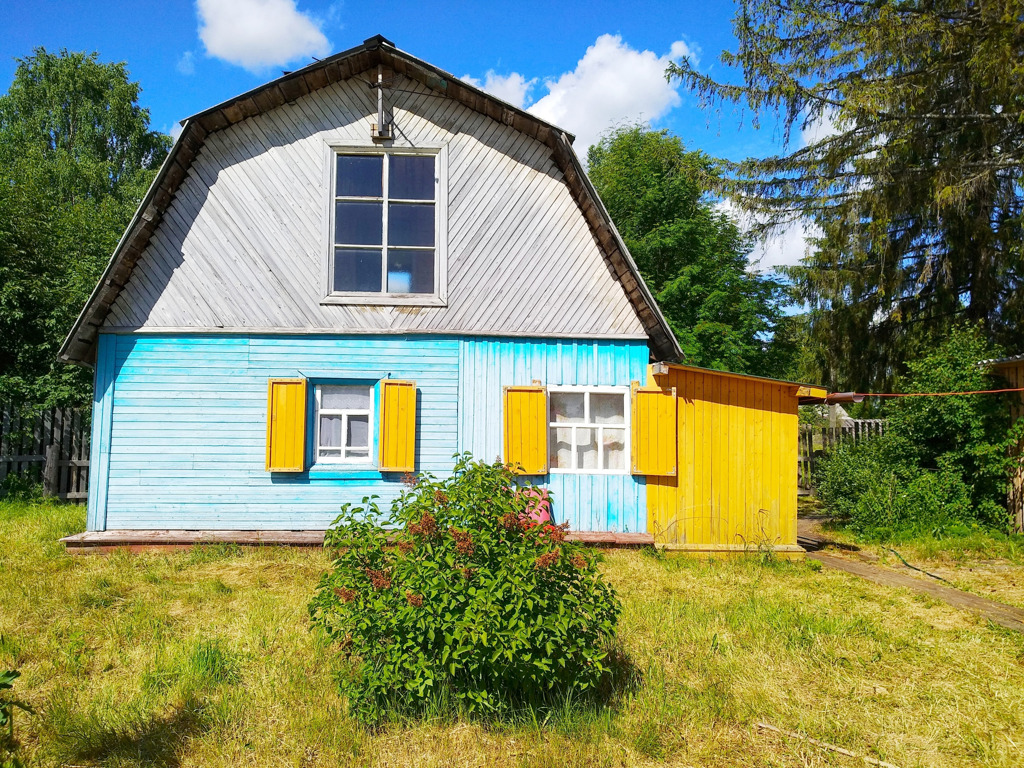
(147, 215)
(79, 346)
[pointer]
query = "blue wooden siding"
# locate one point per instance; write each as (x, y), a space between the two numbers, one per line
(179, 430)
(187, 436)
(587, 502)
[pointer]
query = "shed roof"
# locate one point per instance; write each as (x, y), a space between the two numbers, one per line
(998, 361)
(807, 393)
(80, 345)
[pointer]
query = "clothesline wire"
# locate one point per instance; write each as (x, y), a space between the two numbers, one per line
(938, 394)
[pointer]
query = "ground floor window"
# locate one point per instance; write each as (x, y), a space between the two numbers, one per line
(344, 420)
(588, 429)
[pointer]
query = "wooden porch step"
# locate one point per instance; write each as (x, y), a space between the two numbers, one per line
(141, 540)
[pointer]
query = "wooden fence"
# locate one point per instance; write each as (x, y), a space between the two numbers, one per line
(816, 441)
(49, 446)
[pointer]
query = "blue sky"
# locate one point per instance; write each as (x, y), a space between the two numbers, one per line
(582, 65)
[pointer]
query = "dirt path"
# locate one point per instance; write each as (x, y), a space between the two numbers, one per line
(998, 613)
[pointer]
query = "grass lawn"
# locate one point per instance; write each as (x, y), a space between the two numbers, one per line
(205, 658)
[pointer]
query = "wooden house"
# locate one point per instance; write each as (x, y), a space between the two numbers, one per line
(366, 267)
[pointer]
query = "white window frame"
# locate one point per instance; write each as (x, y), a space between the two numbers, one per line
(439, 298)
(586, 424)
(345, 413)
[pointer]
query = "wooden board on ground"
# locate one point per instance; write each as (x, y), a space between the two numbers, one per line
(141, 540)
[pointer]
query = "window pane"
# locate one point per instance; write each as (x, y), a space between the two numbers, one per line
(607, 409)
(357, 270)
(560, 448)
(358, 223)
(410, 224)
(410, 271)
(360, 176)
(330, 431)
(342, 397)
(614, 443)
(412, 178)
(586, 448)
(567, 407)
(358, 432)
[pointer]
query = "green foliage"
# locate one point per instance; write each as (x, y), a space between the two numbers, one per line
(912, 170)
(943, 463)
(76, 156)
(457, 599)
(7, 707)
(692, 255)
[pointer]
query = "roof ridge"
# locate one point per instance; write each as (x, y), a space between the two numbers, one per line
(79, 346)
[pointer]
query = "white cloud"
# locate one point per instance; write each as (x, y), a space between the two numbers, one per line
(175, 131)
(787, 244)
(186, 64)
(258, 34)
(820, 128)
(612, 83)
(784, 246)
(513, 88)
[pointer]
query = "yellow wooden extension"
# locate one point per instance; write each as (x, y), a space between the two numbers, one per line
(397, 426)
(526, 428)
(286, 425)
(654, 432)
(735, 488)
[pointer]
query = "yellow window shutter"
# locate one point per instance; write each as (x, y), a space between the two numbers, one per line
(526, 429)
(397, 426)
(654, 432)
(286, 425)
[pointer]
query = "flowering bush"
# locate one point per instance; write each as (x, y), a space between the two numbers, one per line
(460, 596)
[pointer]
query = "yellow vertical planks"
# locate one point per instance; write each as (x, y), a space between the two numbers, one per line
(736, 454)
(397, 443)
(654, 432)
(526, 427)
(286, 425)
(688, 454)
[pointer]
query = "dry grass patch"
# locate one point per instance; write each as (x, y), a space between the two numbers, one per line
(205, 658)
(987, 564)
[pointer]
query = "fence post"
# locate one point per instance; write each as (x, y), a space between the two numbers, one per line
(51, 470)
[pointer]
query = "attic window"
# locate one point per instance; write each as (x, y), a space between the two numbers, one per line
(384, 226)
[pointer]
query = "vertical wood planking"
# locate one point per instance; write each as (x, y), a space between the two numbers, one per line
(286, 425)
(526, 447)
(740, 489)
(615, 502)
(397, 426)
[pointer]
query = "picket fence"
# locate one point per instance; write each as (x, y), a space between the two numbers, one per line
(47, 446)
(817, 441)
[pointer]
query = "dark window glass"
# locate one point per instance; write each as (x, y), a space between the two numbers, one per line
(360, 176)
(358, 223)
(412, 178)
(411, 224)
(410, 271)
(357, 270)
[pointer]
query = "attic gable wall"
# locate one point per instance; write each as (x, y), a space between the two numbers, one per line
(242, 244)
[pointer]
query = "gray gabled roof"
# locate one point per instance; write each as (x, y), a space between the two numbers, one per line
(80, 345)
